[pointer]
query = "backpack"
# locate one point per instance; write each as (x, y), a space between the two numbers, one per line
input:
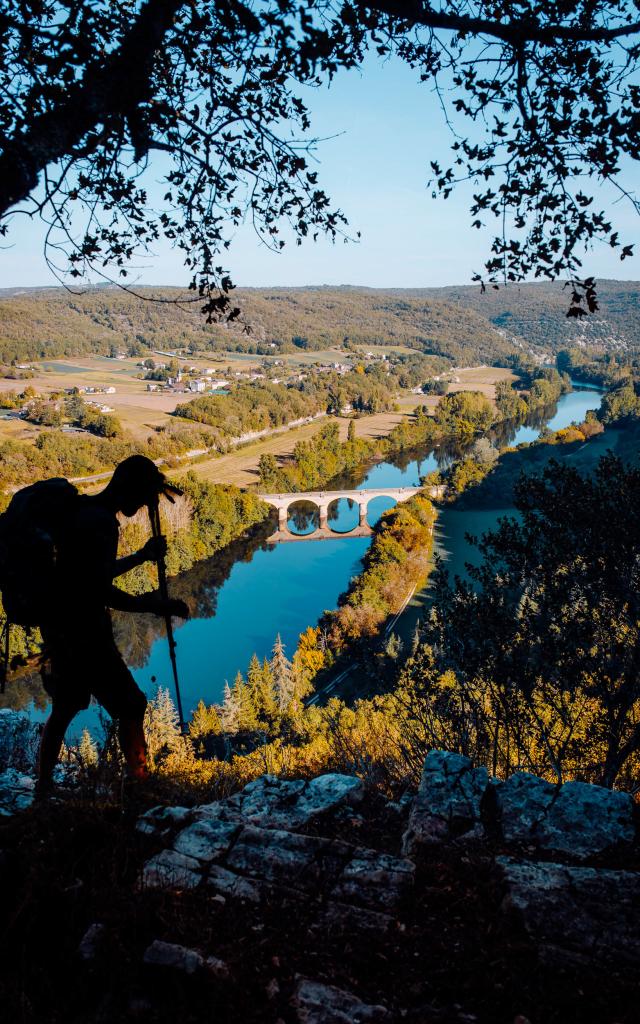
(31, 531)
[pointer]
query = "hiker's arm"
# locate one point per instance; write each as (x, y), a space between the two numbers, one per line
(155, 548)
(146, 603)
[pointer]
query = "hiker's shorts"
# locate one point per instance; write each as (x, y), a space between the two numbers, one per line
(91, 666)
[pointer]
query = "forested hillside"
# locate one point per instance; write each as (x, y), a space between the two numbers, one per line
(461, 324)
(538, 312)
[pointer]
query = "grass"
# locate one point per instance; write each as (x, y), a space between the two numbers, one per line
(480, 378)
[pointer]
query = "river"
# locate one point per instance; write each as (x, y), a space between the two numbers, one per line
(247, 595)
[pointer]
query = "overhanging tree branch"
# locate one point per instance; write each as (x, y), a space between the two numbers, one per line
(114, 88)
(516, 31)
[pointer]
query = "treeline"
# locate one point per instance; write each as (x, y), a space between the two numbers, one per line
(396, 561)
(459, 418)
(267, 699)
(204, 520)
(253, 407)
(262, 405)
(606, 370)
(619, 375)
(58, 453)
(536, 313)
(460, 325)
(316, 461)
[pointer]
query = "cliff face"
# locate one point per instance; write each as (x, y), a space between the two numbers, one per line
(319, 902)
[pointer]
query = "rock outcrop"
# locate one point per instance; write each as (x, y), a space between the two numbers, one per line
(459, 803)
(239, 848)
(276, 843)
(447, 806)
(575, 915)
(315, 1003)
(16, 792)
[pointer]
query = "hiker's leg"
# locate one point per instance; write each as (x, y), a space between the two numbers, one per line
(122, 698)
(133, 746)
(51, 742)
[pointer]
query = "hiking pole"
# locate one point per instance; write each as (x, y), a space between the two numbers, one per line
(154, 518)
(4, 670)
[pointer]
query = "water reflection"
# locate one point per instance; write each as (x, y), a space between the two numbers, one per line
(512, 432)
(376, 507)
(303, 517)
(344, 515)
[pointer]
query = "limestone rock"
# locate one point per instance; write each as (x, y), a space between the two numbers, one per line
(206, 840)
(522, 801)
(171, 870)
(316, 1003)
(587, 820)
(171, 955)
(578, 915)
(375, 880)
(181, 958)
(302, 863)
(270, 802)
(226, 883)
(447, 806)
(16, 792)
(159, 820)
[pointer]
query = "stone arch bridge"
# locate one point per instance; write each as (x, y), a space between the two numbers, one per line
(323, 499)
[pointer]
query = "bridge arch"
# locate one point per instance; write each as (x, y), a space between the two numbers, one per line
(377, 506)
(302, 517)
(344, 514)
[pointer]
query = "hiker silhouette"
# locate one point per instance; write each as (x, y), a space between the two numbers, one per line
(80, 649)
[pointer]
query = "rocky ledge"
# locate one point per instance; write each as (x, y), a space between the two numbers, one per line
(558, 859)
(319, 902)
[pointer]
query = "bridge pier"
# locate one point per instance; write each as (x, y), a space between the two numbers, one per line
(324, 517)
(363, 513)
(282, 518)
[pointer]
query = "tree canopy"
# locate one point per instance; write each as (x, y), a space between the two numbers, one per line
(542, 98)
(543, 637)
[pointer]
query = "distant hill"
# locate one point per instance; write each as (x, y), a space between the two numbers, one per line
(537, 313)
(460, 324)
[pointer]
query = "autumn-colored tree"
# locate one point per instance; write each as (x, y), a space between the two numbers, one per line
(544, 638)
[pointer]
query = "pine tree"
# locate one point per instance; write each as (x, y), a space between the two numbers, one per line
(87, 750)
(260, 688)
(229, 711)
(351, 431)
(269, 710)
(282, 671)
(246, 718)
(393, 647)
(205, 721)
(162, 725)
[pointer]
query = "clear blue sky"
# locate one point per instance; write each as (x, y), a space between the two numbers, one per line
(388, 128)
